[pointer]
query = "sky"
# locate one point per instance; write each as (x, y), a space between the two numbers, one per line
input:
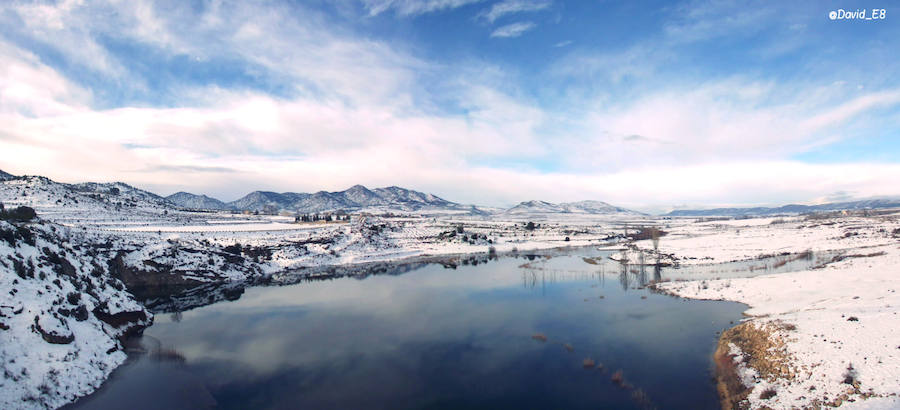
(650, 105)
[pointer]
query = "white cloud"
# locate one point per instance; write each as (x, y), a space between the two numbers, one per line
(706, 19)
(507, 7)
(358, 114)
(693, 152)
(513, 30)
(413, 7)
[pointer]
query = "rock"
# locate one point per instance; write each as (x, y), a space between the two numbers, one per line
(60, 336)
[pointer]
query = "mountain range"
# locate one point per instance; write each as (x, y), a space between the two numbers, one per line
(354, 198)
(396, 198)
(791, 209)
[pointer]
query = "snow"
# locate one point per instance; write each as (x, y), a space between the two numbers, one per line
(37, 373)
(92, 224)
(843, 314)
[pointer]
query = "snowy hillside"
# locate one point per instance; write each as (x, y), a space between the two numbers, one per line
(355, 198)
(61, 315)
(581, 207)
(193, 201)
(263, 200)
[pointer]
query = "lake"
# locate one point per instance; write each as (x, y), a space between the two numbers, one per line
(544, 331)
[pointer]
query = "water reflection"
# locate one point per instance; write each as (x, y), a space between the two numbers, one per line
(434, 337)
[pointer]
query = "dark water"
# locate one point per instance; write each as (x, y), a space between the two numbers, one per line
(433, 337)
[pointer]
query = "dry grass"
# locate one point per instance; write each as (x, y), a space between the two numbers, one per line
(763, 350)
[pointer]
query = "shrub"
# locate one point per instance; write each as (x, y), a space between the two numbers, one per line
(768, 394)
(20, 214)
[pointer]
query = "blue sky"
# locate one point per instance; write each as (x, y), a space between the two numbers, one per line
(647, 104)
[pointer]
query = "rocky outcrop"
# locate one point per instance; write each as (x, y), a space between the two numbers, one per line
(58, 334)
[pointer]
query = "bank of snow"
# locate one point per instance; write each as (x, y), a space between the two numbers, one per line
(61, 315)
(839, 323)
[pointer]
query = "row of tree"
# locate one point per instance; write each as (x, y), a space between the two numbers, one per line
(317, 217)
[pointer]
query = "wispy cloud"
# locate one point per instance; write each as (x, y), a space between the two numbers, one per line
(513, 30)
(507, 7)
(563, 44)
(413, 7)
(339, 108)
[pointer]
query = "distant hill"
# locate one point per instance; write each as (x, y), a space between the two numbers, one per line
(118, 189)
(792, 209)
(581, 207)
(193, 201)
(4, 176)
(354, 198)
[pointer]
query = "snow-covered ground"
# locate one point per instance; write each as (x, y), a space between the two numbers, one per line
(61, 313)
(826, 321)
(59, 329)
(114, 234)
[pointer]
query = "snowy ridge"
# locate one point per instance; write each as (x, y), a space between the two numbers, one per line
(581, 207)
(355, 198)
(192, 201)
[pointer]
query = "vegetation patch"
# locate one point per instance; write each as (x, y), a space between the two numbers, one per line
(762, 349)
(20, 214)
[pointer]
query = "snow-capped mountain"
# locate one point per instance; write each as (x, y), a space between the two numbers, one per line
(262, 200)
(354, 198)
(402, 195)
(534, 206)
(193, 201)
(580, 207)
(594, 207)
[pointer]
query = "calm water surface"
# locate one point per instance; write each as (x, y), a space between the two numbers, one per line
(434, 337)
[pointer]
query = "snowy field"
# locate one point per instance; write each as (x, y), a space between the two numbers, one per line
(837, 326)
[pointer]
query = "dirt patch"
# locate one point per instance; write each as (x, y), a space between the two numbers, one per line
(762, 349)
